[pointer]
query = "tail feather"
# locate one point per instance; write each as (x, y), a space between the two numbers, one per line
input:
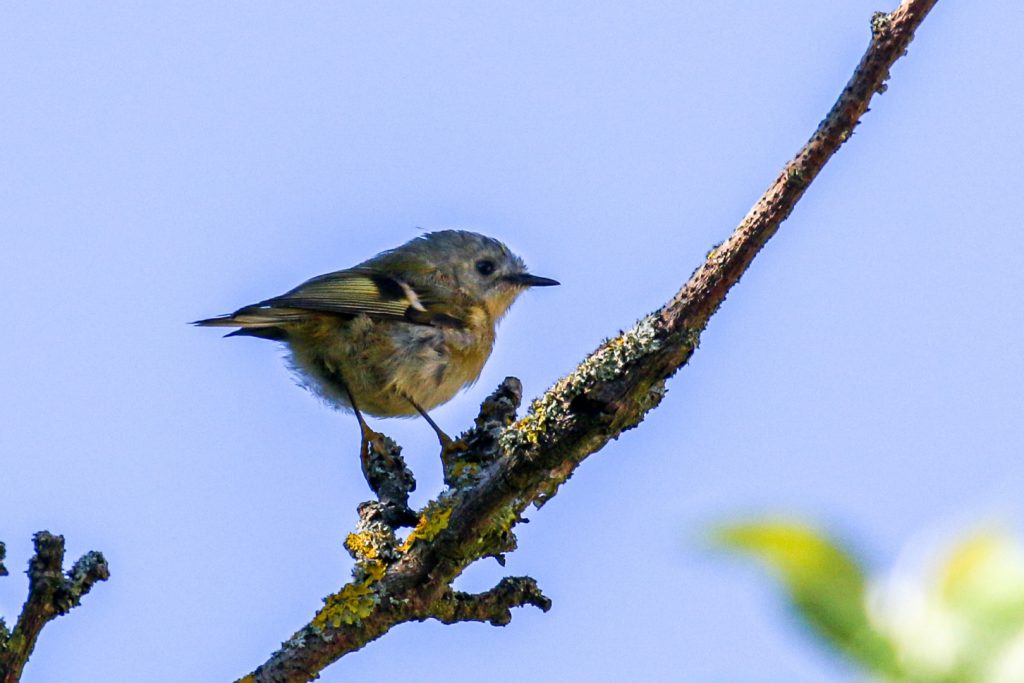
(265, 323)
(271, 333)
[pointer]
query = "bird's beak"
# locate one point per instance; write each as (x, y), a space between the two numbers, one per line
(527, 280)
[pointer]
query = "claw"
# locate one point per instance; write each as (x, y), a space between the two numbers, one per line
(450, 448)
(369, 439)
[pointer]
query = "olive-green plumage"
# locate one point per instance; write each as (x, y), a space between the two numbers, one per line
(399, 333)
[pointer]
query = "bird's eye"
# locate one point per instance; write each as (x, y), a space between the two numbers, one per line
(485, 267)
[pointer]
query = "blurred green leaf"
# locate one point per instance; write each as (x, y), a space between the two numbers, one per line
(826, 585)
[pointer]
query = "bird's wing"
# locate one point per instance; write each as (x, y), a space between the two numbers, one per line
(363, 291)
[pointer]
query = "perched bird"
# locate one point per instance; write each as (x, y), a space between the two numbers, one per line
(397, 334)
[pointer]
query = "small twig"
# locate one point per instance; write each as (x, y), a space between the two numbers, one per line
(478, 447)
(493, 607)
(50, 594)
(4, 633)
(391, 480)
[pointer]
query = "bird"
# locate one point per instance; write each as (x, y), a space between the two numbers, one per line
(398, 334)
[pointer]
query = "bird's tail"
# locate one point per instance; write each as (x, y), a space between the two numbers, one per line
(257, 321)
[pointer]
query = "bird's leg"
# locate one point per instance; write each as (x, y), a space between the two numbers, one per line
(445, 440)
(385, 471)
(368, 435)
(447, 444)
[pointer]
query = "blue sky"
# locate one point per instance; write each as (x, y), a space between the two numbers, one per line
(165, 162)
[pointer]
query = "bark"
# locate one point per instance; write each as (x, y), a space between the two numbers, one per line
(503, 465)
(51, 593)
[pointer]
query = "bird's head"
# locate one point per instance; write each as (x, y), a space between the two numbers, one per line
(481, 267)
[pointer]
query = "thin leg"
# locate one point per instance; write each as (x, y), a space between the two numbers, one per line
(446, 441)
(368, 434)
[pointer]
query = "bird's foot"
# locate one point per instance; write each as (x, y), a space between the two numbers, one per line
(371, 440)
(451, 447)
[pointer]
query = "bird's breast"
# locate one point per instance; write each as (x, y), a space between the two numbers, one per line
(433, 363)
(387, 364)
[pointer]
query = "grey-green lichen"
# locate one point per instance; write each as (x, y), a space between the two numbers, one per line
(498, 539)
(606, 364)
(461, 474)
(795, 177)
(880, 22)
(373, 544)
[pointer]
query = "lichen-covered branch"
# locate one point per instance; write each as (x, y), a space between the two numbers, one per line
(501, 466)
(493, 606)
(51, 593)
(390, 479)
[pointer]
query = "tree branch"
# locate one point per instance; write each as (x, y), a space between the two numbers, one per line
(50, 594)
(494, 606)
(506, 467)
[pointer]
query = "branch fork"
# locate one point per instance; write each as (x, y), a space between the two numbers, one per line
(51, 593)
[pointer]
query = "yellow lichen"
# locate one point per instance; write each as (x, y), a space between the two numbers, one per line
(465, 469)
(433, 521)
(498, 537)
(361, 546)
(354, 602)
(375, 570)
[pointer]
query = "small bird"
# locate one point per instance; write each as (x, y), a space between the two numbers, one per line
(398, 334)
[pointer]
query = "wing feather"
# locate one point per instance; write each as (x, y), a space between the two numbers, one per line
(359, 291)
